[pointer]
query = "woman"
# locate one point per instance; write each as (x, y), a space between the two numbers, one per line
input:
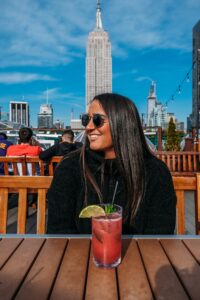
(115, 156)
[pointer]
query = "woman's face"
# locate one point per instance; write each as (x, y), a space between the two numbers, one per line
(100, 138)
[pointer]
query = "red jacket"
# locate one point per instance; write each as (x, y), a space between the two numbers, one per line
(23, 149)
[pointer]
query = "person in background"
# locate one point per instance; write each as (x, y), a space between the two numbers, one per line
(4, 145)
(25, 146)
(62, 148)
(115, 159)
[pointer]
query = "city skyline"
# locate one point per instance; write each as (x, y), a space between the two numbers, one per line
(43, 45)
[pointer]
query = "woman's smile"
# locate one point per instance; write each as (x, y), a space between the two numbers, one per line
(99, 137)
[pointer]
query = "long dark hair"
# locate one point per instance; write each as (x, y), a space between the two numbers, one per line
(129, 145)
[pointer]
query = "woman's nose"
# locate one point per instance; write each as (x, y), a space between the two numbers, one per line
(90, 125)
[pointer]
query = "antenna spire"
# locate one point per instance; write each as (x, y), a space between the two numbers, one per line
(98, 16)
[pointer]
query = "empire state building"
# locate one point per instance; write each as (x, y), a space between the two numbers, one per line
(98, 61)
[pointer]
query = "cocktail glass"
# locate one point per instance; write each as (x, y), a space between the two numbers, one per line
(106, 238)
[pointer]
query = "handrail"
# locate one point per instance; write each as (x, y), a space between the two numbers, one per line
(180, 162)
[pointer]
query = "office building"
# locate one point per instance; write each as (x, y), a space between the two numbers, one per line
(98, 61)
(76, 125)
(196, 76)
(19, 113)
(151, 104)
(45, 116)
(59, 124)
(156, 112)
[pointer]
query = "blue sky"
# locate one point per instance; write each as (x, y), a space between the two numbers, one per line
(43, 45)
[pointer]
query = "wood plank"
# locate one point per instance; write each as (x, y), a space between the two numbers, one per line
(133, 285)
(194, 247)
(163, 280)
(173, 162)
(181, 212)
(25, 181)
(71, 278)
(168, 162)
(6, 172)
(195, 163)
(184, 183)
(22, 211)
(184, 163)
(3, 210)
(179, 162)
(101, 283)
(190, 162)
(14, 271)
(7, 247)
(185, 265)
(40, 278)
(41, 212)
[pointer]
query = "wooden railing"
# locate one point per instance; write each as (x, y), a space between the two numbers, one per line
(39, 184)
(180, 163)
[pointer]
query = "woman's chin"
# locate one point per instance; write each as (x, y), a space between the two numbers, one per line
(95, 146)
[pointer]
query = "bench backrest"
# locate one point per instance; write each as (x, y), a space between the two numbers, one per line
(40, 184)
(28, 165)
(24, 185)
(182, 184)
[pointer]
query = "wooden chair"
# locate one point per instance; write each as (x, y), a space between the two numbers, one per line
(23, 185)
(34, 165)
(28, 165)
(182, 184)
(40, 184)
(11, 164)
(22, 165)
(52, 163)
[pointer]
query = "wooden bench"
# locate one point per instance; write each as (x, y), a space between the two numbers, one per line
(40, 184)
(182, 184)
(24, 185)
(28, 164)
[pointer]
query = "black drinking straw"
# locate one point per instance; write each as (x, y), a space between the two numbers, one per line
(114, 194)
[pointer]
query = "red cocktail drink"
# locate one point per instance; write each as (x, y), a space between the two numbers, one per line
(106, 238)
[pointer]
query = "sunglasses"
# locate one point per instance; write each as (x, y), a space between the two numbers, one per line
(97, 119)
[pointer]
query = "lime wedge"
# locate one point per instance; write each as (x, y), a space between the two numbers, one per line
(92, 211)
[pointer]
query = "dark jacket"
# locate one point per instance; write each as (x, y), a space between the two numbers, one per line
(155, 215)
(4, 144)
(59, 149)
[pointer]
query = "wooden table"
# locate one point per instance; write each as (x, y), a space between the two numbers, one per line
(62, 268)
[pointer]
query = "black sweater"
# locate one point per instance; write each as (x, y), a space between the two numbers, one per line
(59, 149)
(156, 213)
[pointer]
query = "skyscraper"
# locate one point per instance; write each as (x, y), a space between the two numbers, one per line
(19, 112)
(98, 61)
(156, 112)
(196, 77)
(151, 103)
(45, 117)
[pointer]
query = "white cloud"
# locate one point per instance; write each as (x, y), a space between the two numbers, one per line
(16, 78)
(54, 32)
(143, 78)
(125, 73)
